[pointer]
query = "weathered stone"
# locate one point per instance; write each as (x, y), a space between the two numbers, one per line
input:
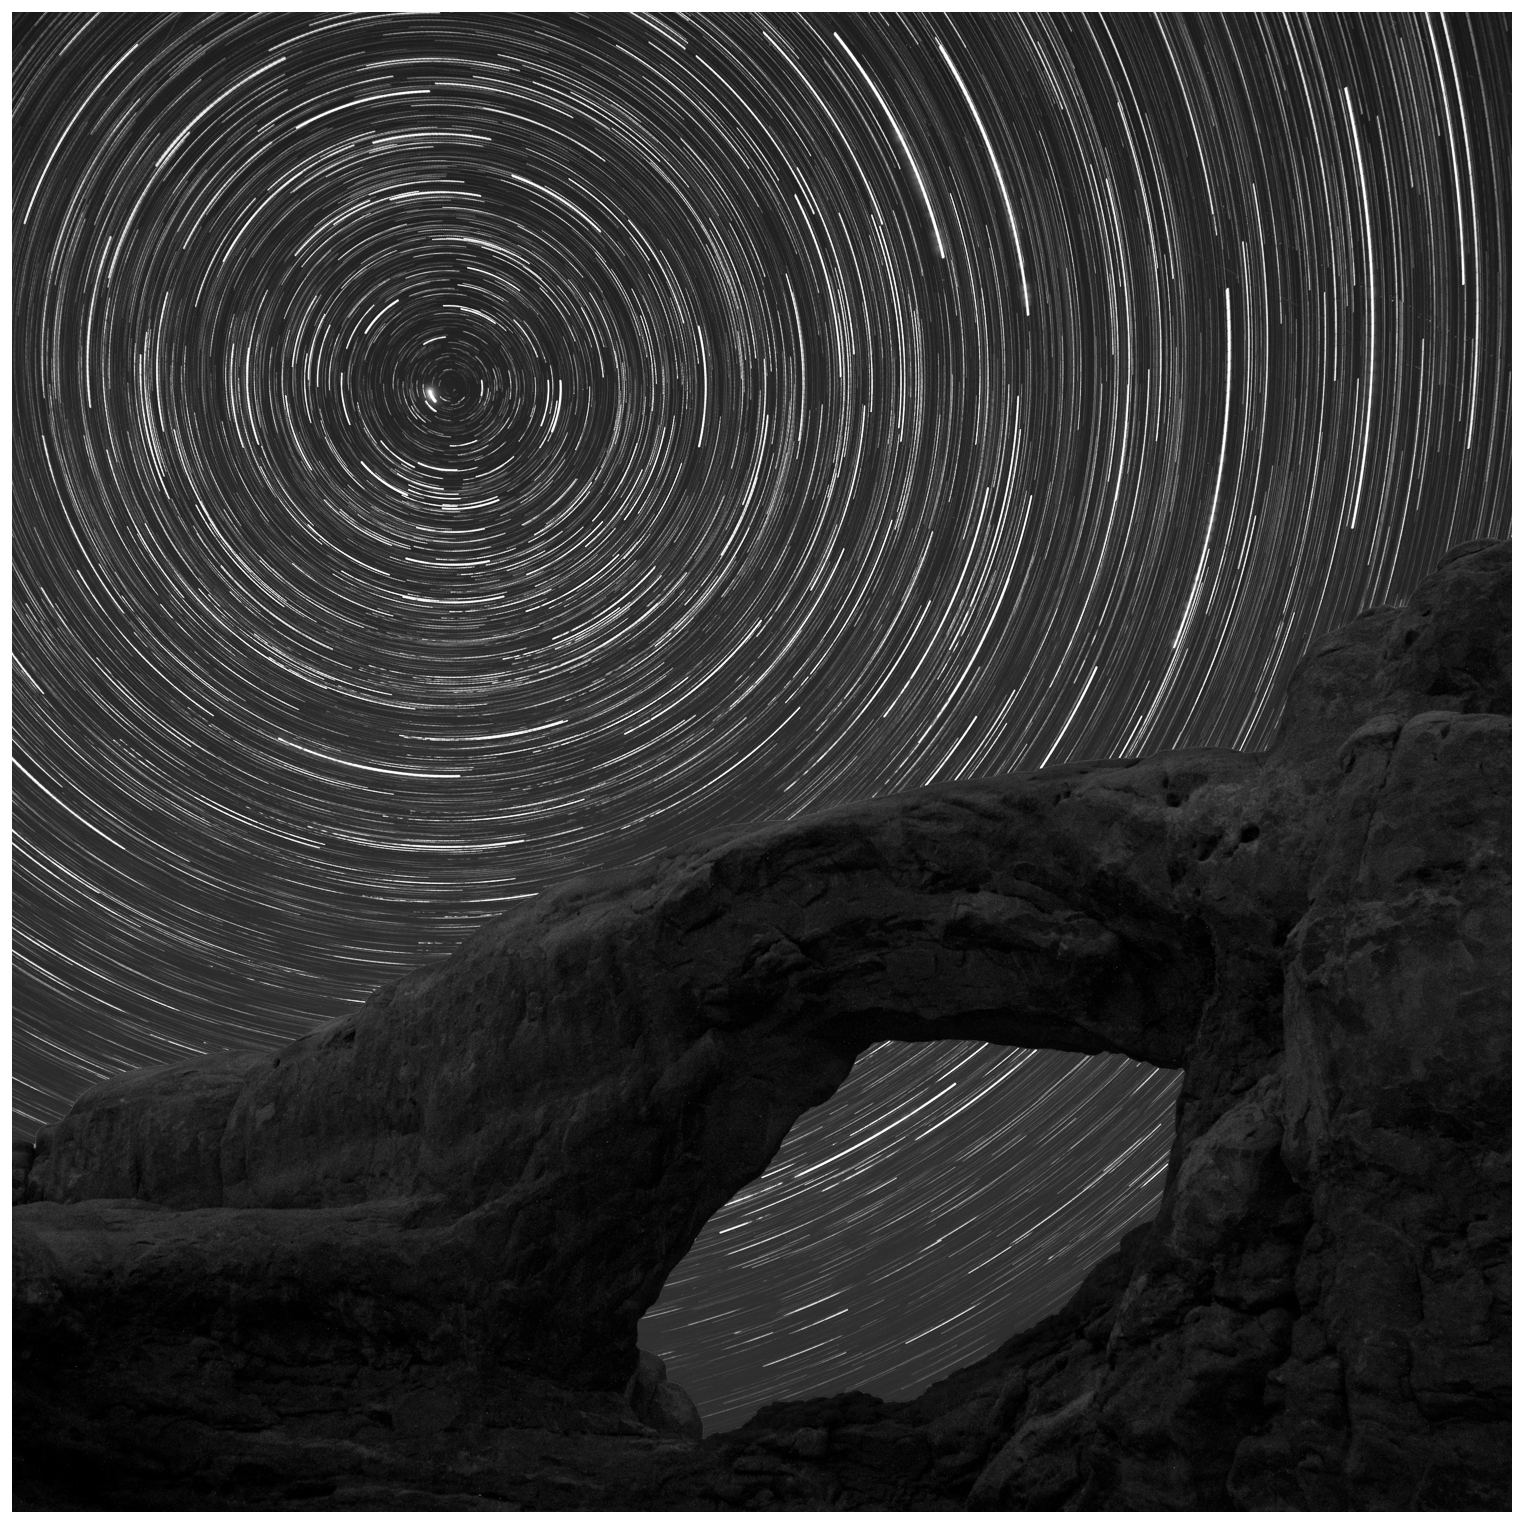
(400, 1262)
(1036, 1467)
(154, 1134)
(22, 1155)
(662, 1404)
(811, 1443)
(1009, 1403)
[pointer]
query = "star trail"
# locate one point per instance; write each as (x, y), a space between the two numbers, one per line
(1041, 1162)
(456, 452)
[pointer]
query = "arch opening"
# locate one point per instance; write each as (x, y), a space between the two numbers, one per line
(946, 1196)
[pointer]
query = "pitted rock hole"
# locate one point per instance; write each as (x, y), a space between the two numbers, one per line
(946, 1196)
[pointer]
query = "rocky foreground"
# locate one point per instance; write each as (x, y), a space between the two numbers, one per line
(399, 1263)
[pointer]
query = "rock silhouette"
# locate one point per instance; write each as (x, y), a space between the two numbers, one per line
(400, 1263)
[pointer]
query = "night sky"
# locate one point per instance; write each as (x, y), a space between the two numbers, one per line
(452, 453)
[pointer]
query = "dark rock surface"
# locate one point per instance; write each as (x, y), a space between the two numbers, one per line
(400, 1263)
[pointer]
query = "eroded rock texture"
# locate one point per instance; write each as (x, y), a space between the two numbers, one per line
(400, 1263)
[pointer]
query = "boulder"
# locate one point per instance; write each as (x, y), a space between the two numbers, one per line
(662, 1404)
(400, 1262)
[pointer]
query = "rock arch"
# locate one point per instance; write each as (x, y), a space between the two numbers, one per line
(497, 1161)
(563, 1103)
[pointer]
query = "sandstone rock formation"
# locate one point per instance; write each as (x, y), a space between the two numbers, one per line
(400, 1263)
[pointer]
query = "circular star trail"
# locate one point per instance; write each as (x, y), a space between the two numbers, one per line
(452, 453)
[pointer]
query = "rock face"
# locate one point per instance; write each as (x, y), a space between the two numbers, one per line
(400, 1263)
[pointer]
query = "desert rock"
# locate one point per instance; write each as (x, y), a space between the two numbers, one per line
(400, 1263)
